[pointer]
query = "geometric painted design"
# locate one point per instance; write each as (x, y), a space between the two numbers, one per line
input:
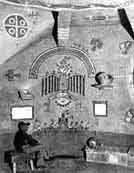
(64, 67)
(16, 26)
(96, 43)
(125, 46)
(67, 51)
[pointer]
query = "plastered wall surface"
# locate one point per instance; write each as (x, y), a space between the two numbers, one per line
(108, 58)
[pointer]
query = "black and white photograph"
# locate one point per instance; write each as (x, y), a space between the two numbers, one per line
(66, 86)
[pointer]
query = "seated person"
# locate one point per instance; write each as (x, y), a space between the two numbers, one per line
(91, 144)
(25, 143)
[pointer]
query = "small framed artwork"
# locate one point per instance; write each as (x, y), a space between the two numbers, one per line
(100, 108)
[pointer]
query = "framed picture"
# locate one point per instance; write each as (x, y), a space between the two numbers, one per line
(25, 112)
(100, 108)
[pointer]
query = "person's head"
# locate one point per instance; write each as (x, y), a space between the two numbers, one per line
(23, 126)
(91, 142)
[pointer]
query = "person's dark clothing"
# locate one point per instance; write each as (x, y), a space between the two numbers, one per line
(21, 138)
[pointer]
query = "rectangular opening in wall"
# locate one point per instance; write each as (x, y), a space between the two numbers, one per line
(22, 112)
(100, 108)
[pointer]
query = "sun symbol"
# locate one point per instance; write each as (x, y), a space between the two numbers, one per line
(16, 26)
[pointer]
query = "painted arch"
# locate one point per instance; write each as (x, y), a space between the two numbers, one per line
(81, 55)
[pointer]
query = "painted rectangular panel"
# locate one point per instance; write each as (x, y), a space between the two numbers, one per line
(100, 108)
(21, 112)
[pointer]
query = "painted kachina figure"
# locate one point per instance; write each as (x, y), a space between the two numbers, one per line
(63, 121)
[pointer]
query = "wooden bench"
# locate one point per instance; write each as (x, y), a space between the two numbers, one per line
(19, 161)
(26, 158)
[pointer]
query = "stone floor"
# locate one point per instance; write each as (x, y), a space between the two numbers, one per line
(81, 167)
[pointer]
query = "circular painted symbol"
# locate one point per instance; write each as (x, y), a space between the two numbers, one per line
(16, 26)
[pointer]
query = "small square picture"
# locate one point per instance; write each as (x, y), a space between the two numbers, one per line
(100, 108)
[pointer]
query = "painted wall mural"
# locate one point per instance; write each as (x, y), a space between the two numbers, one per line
(125, 46)
(62, 81)
(129, 116)
(65, 80)
(96, 43)
(63, 87)
(65, 121)
(11, 75)
(71, 51)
